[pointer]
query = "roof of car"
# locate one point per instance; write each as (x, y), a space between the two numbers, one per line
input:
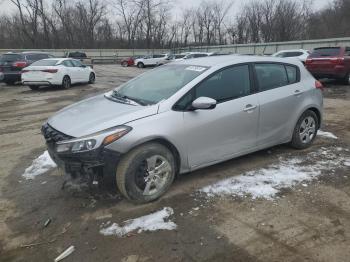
(211, 61)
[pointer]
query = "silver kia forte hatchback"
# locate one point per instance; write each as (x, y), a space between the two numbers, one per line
(184, 116)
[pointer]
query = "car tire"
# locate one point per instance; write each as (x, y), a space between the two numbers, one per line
(345, 80)
(124, 64)
(66, 82)
(140, 65)
(34, 87)
(142, 170)
(92, 78)
(305, 130)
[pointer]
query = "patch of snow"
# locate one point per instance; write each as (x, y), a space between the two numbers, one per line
(40, 165)
(267, 182)
(347, 163)
(155, 221)
(326, 134)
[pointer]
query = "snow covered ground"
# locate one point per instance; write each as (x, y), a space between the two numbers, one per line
(39, 166)
(155, 221)
(267, 182)
(326, 134)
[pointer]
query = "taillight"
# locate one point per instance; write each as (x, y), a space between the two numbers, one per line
(318, 85)
(338, 60)
(52, 71)
(308, 61)
(20, 64)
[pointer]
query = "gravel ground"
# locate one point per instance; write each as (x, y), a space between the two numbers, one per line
(306, 222)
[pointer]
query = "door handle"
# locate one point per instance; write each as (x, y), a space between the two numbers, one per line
(249, 108)
(297, 92)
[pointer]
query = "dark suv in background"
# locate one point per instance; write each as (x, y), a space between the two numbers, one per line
(330, 62)
(11, 64)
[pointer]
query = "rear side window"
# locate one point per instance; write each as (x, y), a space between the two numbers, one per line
(347, 51)
(199, 55)
(324, 52)
(67, 63)
(271, 76)
(10, 57)
(48, 62)
(293, 54)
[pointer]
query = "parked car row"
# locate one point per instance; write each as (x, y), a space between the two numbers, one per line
(36, 69)
(323, 62)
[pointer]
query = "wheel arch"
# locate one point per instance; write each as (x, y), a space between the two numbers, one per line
(165, 142)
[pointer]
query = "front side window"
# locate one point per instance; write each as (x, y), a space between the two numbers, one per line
(67, 63)
(271, 76)
(225, 85)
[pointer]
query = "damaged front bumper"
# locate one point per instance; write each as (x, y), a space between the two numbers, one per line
(85, 166)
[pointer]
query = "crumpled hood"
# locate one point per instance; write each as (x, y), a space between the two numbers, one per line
(96, 114)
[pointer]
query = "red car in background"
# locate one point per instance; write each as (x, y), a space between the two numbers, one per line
(330, 62)
(129, 61)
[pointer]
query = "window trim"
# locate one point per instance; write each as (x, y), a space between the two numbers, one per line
(253, 85)
(258, 90)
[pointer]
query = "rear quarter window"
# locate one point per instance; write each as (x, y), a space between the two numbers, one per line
(324, 52)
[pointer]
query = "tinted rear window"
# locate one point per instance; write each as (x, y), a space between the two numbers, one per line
(48, 62)
(10, 57)
(324, 52)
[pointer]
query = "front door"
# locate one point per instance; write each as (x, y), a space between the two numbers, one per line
(231, 127)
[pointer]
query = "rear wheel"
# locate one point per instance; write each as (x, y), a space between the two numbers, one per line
(305, 130)
(34, 87)
(345, 80)
(92, 78)
(66, 83)
(146, 173)
(140, 65)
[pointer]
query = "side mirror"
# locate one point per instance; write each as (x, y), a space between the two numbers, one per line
(204, 103)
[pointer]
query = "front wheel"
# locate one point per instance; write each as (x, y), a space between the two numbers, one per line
(305, 130)
(146, 173)
(92, 78)
(34, 87)
(66, 83)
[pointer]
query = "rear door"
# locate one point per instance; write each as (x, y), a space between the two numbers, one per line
(71, 70)
(230, 128)
(79, 70)
(280, 95)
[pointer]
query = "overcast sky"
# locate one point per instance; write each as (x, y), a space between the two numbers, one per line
(6, 6)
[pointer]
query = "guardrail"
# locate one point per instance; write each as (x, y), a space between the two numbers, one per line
(115, 55)
(268, 48)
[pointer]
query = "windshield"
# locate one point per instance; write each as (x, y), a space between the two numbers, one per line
(158, 84)
(10, 57)
(46, 62)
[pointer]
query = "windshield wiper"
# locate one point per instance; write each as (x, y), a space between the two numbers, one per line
(126, 98)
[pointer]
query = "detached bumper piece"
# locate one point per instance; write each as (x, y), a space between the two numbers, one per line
(84, 167)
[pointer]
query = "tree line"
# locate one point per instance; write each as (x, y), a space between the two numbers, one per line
(159, 24)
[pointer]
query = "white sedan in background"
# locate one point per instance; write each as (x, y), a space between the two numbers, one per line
(57, 72)
(300, 54)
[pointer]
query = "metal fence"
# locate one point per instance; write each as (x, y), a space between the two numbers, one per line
(115, 55)
(269, 48)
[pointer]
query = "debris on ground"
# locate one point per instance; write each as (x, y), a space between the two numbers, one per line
(40, 165)
(326, 134)
(47, 222)
(65, 254)
(267, 182)
(155, 221)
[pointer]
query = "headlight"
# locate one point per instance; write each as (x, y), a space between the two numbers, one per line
(93, 141)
